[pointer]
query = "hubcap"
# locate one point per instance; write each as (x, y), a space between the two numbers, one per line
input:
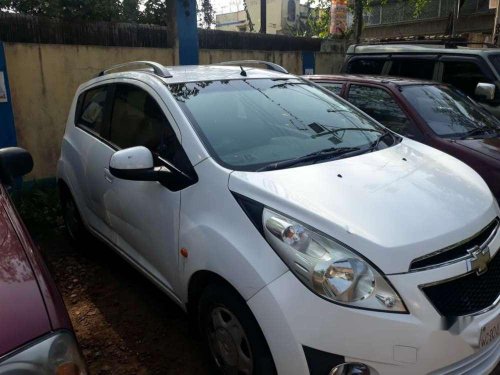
(228, 342)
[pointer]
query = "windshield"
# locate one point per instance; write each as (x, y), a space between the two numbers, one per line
(448, 112)
(249, 123)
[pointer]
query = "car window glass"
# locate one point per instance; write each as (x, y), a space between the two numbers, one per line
(448, 112)
(138, 120)
(380, 105)
(413, 68)
(248, 123)
(366, 66)
(495, 60)
(92, 108)
(334, 87)
(464, 75)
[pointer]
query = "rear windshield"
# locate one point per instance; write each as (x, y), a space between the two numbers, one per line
(249, 123)
(448, 112)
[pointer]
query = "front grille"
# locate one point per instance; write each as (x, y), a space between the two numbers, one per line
(468, 294)
(457, 251)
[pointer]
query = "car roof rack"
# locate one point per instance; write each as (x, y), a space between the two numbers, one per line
(269, 65)
(444, 40)
(158, 69)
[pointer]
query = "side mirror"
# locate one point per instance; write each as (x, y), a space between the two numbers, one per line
(485, 91)
(135, 164)
(14, 162)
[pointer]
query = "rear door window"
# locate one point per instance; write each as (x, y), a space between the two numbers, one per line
(412, 68)
(366, 66)
(464, 75)
(91, 109)
(381, 105)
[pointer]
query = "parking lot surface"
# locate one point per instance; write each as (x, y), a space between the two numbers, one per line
(124, 324)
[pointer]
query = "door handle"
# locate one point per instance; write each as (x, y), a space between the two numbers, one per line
(108, 176)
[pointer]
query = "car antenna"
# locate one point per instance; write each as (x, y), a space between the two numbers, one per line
(243, 73)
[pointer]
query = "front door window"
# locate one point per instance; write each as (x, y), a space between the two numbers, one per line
(380, 105)
(464, 75)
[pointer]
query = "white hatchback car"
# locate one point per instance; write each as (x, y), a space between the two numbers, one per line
(303, 236)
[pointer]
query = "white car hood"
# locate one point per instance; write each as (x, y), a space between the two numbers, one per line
(392, 205)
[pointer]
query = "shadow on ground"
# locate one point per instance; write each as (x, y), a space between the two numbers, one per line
(124, 324)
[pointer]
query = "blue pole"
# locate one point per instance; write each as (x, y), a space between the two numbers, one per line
(187, 32)
(7, 129)
(308, 62)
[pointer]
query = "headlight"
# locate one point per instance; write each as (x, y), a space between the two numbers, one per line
(57, 354)
(327, 267)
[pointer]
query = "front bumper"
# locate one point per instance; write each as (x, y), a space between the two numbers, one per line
(421, 342)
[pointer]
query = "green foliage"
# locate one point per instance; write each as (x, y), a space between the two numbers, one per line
(419, 5)
(130, 10)
(155, 12)
(86, 10)
(317, 23)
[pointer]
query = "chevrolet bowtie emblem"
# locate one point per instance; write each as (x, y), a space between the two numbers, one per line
(479, 260)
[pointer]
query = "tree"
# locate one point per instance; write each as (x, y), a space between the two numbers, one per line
(86, 10)
(155, 12)
(206, 14)
(358, 19)
(317, 22)
(130, 10)
(31, 7)
(250, 23)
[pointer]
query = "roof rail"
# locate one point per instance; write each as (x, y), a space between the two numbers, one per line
(446, 42)
(269, 65)
(158, 69)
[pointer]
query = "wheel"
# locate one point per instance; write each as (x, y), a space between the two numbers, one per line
(233, 336)
(73, 223)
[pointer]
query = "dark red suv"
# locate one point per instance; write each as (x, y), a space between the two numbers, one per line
(36, 336)
(432, 113)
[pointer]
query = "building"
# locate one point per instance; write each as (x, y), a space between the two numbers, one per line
(283, 16)
(396, 18)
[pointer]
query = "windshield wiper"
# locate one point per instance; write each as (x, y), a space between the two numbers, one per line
(375, 144)
(312, 157)
(333, 131)
(476, 131)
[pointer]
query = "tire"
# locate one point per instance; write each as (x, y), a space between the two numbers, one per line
(73, 223)
(233, 337)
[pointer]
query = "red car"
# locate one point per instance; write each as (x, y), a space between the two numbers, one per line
(36, 336)
(432, 113)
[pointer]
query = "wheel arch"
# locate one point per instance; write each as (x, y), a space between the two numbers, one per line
(198, 282)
